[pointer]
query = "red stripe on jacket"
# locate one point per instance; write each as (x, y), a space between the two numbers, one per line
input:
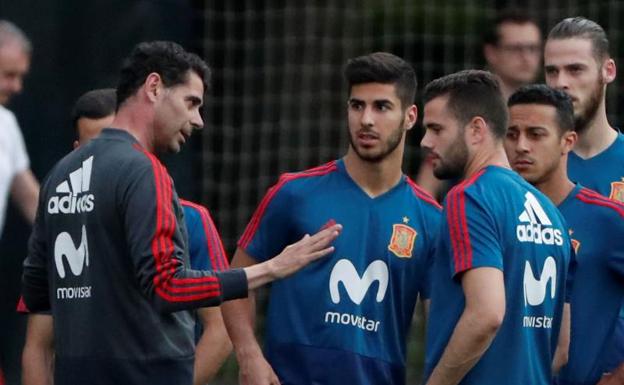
(166, 285)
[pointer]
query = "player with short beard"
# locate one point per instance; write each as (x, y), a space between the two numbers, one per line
(491, 321)
(577, 61)
(345, 321)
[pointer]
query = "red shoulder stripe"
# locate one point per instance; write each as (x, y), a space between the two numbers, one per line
(460, 237)
(213, 240)
(592, 197)
(285, 178)
(422, 194)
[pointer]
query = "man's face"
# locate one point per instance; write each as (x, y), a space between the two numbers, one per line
(444, 139)
(570, 65)
(516, 58)
(377, 122)
(533, 142)
(177, 114)
(90, 128)
(14, 64)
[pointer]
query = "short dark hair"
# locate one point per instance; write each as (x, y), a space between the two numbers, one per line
(94, 104)
(511, 16)
(543, 95)
(165, 58)
(472, 93)
(386, 68)
(580, 27)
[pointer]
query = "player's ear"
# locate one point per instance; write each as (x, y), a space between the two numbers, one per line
(609, 71)
(410, 118)
(568, 140)
(476, 130)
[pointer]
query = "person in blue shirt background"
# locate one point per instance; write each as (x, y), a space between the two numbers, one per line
(345, 320)
(499, 274)
(540, 137)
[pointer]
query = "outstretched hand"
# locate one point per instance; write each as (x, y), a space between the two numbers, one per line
(308, 249)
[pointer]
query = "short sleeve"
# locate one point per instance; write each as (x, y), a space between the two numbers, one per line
(269, 230)
(473, 238)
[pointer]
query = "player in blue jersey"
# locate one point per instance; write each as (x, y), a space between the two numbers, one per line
(577, 60)
(540, 137)
(344, 321)
(499, 274)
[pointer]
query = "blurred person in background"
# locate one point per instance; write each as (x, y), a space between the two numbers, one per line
(16, 180)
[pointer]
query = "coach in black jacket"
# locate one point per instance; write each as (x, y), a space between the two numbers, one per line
(108, 250)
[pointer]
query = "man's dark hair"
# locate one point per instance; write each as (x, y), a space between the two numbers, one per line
(95, 104)
(472, 93)
(511, 16)
(386, 68)
(580, 27)
(543, 95)
(165, 58)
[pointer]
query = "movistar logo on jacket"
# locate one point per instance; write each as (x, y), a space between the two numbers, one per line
(72, 195)
(535, 225)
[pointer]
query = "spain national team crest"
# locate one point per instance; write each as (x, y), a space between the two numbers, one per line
(575, 244)
(402, 240)
(617, 191)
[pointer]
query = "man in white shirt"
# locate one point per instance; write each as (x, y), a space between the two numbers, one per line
(16, 180)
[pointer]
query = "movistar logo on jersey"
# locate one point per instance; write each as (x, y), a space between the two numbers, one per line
(535, 225)
(71, 196)
(536, 290)
(344, 272)
(356, 287)
(77, 257)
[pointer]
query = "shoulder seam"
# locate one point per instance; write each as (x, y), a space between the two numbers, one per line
(251, 228)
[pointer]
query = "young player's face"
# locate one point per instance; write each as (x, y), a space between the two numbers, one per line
(570, 65)
(444, 139)
(533, 143)
(377, 121)
(177, 114)
(517, 56)
(14, 64)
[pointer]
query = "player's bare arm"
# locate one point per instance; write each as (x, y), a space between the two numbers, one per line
(239, 318)
(563, 344)
(483, 315)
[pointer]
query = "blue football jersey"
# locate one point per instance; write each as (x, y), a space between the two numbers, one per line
(596, 227)
(496, 219)
(343, 319)
(205, 247)
(603, 173)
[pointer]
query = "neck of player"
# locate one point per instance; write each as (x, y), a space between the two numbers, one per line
(557, 186)
(375, 178)
(486, 156)
(597, 136)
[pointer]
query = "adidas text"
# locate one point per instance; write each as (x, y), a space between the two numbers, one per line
(71, 204)
(534, 232)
